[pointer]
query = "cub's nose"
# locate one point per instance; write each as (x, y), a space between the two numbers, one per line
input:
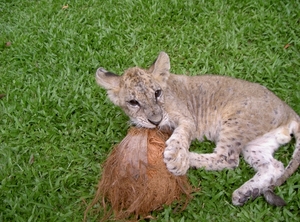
(154, 121)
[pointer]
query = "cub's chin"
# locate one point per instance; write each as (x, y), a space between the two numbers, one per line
(144, 124)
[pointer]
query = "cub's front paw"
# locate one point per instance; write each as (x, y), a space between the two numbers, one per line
(176, 157)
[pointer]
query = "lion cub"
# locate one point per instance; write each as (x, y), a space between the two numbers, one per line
(239, 116)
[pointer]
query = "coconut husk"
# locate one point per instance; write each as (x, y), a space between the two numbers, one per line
(135, 180)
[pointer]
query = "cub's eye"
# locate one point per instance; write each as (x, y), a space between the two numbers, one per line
(157, 93)
(134, 103)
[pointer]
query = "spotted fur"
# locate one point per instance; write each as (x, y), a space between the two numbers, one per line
(239, 116)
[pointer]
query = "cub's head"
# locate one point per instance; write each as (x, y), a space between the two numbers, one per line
(139, 92)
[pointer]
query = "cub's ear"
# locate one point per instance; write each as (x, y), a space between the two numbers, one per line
(107, 80)
(161, 67)
(110, 82)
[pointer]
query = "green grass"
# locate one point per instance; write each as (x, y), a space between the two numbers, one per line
(57, 126)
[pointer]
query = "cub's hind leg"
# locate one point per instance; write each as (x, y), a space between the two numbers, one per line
(225, 155)
(259, 154)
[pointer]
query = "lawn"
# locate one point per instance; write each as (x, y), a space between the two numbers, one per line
(57, 126)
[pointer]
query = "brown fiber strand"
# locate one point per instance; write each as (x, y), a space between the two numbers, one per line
(135, 180)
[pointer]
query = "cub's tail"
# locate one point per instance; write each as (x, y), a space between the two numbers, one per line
(295, 161)
(293, 165)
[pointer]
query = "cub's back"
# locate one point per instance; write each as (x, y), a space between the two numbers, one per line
(229, 97)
